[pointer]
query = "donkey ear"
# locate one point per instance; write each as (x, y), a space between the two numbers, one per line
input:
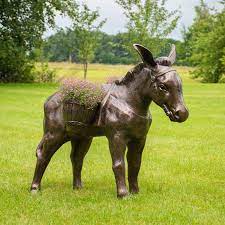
(172, 55)
(145, 54)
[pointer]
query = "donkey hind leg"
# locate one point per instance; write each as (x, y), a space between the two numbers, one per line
(49, 144)
(117, 148)
(79, 149)
(134, 154)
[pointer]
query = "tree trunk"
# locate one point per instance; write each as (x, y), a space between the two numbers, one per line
(85, 69)
(70, 58)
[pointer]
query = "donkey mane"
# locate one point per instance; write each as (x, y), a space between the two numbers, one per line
(130, 75)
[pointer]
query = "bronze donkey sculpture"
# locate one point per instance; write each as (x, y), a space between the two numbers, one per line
(123, 118)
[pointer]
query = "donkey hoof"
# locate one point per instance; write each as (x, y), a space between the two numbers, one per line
(78, 186)
(34, 190)
(134, 190)
(122, 193)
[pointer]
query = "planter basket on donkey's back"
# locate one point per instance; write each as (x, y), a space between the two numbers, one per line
(81, 100)
(73, 111)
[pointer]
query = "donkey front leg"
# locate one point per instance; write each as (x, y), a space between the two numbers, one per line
(117, 148)
(134, 154)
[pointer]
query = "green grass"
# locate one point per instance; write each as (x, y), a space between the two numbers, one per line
(182, 179)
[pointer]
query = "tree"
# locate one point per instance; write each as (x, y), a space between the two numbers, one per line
(86, 29)
(60, 46)
(206, 43)
(149, 22)
(111, 50)
(22, 24)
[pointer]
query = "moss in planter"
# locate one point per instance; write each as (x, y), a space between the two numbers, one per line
(83, 92)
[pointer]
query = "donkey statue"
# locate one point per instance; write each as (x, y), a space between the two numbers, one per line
(123, 117)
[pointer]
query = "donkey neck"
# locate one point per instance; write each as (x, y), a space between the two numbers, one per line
(134, 94)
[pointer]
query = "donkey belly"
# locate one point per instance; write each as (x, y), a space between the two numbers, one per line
(78, 129)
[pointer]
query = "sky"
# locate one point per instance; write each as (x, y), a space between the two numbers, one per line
(116, 20)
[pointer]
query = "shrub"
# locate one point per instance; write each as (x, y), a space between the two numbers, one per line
(14, 64)
(205, 41)
(43, 74)
(222, 79)
(82, 92)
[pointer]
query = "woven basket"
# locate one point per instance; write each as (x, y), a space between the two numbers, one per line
(73, 111)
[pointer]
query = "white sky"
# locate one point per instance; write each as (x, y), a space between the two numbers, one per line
(116, 20)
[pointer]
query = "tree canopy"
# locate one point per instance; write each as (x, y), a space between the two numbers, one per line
(110, 49)
(205, 43)
(149, 22)
(22, 24)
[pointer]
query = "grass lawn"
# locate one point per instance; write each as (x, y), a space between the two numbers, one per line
(182, 179)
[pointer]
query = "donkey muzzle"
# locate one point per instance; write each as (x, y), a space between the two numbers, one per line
(180, 114)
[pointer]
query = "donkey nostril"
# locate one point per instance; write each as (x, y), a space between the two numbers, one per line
(177, 114)
(181, 115)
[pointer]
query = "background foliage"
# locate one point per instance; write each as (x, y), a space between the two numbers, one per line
(22, 24)
(149, 23)
(86, 27)
(205, 43)
(110, 49)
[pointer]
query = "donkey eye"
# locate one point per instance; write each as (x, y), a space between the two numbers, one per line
(162, 87)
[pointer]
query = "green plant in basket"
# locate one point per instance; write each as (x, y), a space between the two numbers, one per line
(82, 92)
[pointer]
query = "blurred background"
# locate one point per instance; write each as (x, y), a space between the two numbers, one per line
(102, 32)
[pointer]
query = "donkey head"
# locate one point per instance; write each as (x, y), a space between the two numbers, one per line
(165, 84)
